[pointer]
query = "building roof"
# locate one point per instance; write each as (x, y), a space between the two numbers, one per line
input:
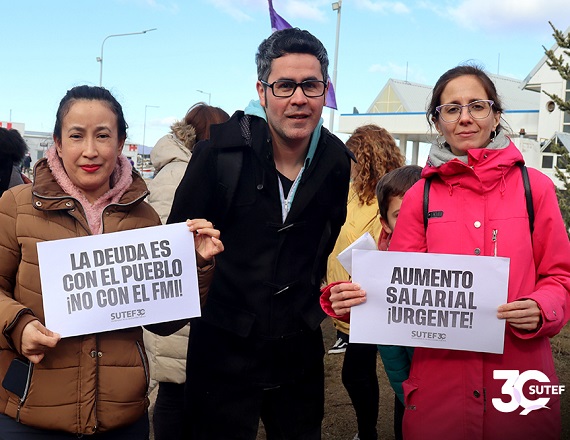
(399, 96)
(526, 83)
(513, 95)
(560, 136)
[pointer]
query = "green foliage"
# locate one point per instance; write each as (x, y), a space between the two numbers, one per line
(564, 176)
(563, 68)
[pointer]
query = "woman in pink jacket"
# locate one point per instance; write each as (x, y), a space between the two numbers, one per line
(477, 206)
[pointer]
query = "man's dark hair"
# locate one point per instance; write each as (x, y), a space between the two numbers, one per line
(395, 184)
(290, 40)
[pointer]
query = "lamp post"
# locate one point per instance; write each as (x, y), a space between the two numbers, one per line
(336, 6)
(144, 127)
(206, 93)
(100, 59)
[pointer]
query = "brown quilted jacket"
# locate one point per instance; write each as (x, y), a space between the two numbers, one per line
(86, 384)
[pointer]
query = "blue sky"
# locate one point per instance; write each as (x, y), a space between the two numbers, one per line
(209, 45)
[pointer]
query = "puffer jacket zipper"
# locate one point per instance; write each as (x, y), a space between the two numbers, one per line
(96, 354)
(145, 366)
(26, 390)
(141, 197)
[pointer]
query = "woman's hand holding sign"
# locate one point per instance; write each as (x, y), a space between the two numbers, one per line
(36, 340)
(346, 295)
(206, 238)
(523, 314)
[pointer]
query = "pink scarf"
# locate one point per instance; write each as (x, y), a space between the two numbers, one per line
(121, 180)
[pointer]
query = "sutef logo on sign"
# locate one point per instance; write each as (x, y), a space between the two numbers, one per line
(514, 385)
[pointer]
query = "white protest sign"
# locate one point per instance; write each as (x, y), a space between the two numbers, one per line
(365, 241)
(430, 300)
(118, 280)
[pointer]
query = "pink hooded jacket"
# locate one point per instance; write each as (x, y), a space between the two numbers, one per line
(449, 394)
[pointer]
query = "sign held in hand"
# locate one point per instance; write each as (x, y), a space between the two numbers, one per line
(118, 280)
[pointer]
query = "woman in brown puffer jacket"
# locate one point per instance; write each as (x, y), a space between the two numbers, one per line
(94, 384)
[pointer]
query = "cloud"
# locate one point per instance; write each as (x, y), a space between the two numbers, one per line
(236, 8)
(166, 121)
(290, 10)
(503, 16)
(302, 9)
(398, 71)
(159, 5)
(384, 7)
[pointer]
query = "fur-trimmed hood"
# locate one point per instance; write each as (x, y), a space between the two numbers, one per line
(176, 146)
(186, 133)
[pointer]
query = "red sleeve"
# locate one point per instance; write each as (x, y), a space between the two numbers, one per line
(326, 302)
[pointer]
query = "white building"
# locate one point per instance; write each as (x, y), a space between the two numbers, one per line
(533, 118)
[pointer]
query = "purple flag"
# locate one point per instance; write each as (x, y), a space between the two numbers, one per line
(278, 23)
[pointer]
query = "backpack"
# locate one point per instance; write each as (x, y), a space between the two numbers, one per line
(228, 168)
(527, 193)
(229, 165)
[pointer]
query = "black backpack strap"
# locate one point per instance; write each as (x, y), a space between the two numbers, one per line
(528, 196)
(426, 201)
(228, 167)
(527, 193)
(229, 164)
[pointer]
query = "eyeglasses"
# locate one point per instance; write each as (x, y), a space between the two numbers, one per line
(312, 88)
(477, 109)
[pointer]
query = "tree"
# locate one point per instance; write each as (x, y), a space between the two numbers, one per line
(560, 64)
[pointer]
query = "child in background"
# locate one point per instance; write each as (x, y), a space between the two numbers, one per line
(376, 153)
(390, 192)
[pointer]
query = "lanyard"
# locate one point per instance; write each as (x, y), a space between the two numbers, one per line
(287, 202)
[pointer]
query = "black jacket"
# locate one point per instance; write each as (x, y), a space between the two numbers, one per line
(267, 280)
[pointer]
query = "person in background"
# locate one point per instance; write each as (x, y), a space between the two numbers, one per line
(26, 164)
(275, 182)
(94, 385)
(13, 149)
(376, 153)
(395, 359)
(477, 185)
(167, 354)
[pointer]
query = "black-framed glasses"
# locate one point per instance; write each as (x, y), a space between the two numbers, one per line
(312, 88)
(477, 109)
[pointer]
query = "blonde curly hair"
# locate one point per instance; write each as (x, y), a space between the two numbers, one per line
(376, 154)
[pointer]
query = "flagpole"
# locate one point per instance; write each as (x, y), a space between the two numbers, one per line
(336, 6)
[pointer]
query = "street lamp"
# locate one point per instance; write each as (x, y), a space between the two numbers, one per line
(336, 6)
(100, 59)
(206, 93)
(144, 127)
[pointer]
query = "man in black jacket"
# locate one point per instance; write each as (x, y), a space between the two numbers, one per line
(275, 182)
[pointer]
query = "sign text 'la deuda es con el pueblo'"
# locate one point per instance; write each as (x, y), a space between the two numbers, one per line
(97, 272)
